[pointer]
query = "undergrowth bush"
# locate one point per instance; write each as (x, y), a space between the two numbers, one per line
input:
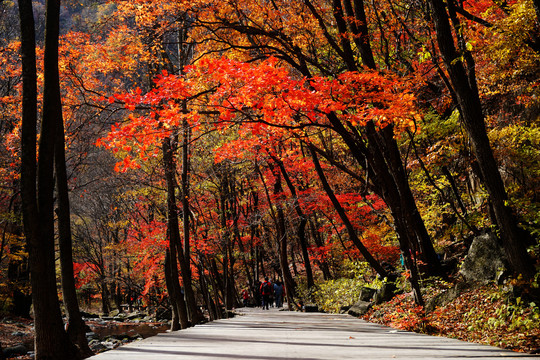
(332, 295)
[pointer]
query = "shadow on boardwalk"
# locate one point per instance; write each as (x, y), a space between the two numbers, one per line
(273, 334)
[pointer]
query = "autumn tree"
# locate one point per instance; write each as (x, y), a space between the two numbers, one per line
(51, 341)
(460, 65)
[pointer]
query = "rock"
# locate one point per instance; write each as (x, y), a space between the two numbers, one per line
(14, 351)
(385, 293)
(89, 315)
(149, 318)
(98, 347)
(91, 336)
(163, 314)
(446, 297)
(366, 293)
(18, 333)
(111, 343)
(311, 308)
(93, 342)
(485, 261)
(135, 337)
(134, 316)
(359, 309)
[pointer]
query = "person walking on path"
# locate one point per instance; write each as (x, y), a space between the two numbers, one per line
(278, 294)
(245, 297)
(266, 292)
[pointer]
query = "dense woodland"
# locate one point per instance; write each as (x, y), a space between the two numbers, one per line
(173, 153)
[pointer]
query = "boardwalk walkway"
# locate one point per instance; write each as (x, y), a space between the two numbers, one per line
(273, 334)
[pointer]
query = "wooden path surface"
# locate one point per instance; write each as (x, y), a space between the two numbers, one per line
(273, 334)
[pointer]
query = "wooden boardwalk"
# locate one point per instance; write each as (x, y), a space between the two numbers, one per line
(273, 334)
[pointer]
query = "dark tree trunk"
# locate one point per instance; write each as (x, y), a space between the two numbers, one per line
(174, 233)
(301, 230)
(281, 234)
(105, 302)
(348, 225)
(318, 241)
(76, 327)
(175, 318)
(185, 260)
(461, 69)
(51, 341)
(380, 149)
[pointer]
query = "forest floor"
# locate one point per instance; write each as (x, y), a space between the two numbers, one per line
(481, 315)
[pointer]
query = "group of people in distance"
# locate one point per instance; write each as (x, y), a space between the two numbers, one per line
(265, 294)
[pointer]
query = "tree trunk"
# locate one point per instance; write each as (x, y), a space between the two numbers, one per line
(76, 328)
(105, 303)
(51, 341)
(173, 232)
(281, 234)
(318, 241)
(348, 225)
(301, 230)
(461, 69)
(175, 317)
(185, 261)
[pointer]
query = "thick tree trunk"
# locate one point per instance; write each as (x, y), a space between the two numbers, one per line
(460, 67)
(175, 318)
(51, 341)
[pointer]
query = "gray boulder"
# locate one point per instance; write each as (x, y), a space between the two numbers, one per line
(359, 309)
(447, 296)
(485, 261)
(385, 293)
(366, 294)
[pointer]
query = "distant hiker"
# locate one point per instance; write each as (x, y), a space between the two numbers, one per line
(266, 292)
(245, 297)
(278, 294)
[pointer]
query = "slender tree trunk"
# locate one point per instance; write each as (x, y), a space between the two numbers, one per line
(318, 241)
(173, 232)
(76, 327)
(105, 303)
(281, 234)
(185, 260)
(461, 69)
(348, 225)
(301, 230)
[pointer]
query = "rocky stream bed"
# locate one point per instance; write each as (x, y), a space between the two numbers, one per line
(103, 333)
